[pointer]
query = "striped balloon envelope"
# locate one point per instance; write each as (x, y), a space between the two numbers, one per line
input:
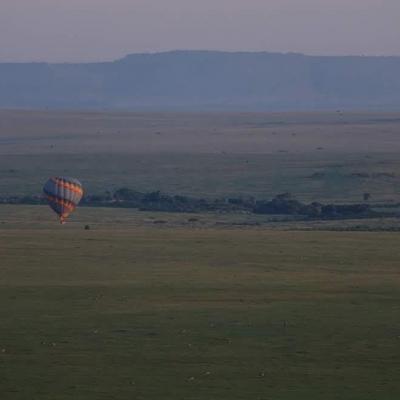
(63, 195)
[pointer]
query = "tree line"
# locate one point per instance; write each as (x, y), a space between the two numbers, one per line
(282, 204)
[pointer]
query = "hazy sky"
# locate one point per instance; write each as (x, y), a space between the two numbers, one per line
(90, 30)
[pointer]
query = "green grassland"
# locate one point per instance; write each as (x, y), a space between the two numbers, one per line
(213, 306)
(325, 178)
(146, 311)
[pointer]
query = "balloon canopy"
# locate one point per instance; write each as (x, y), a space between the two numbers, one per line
(63, 195)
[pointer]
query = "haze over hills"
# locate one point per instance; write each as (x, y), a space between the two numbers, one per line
(206, 80)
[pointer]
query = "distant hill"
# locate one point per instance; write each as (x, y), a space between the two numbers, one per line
(206, 80)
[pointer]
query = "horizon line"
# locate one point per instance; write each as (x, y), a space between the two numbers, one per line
(163, 52)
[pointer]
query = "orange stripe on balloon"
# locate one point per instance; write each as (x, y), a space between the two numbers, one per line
(70, 186)
(64, 203)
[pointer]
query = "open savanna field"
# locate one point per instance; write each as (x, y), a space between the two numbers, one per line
(126, 311)
(328, 157)
(212, 306)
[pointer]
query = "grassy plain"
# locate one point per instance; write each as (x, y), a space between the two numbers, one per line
(210, 306)
(130, 310)
(40, 132)
(332, 157)
(326, 178)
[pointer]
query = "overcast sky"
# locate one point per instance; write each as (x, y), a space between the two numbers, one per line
(92, 30)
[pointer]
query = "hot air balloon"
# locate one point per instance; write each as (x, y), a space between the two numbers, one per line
(63, 195)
